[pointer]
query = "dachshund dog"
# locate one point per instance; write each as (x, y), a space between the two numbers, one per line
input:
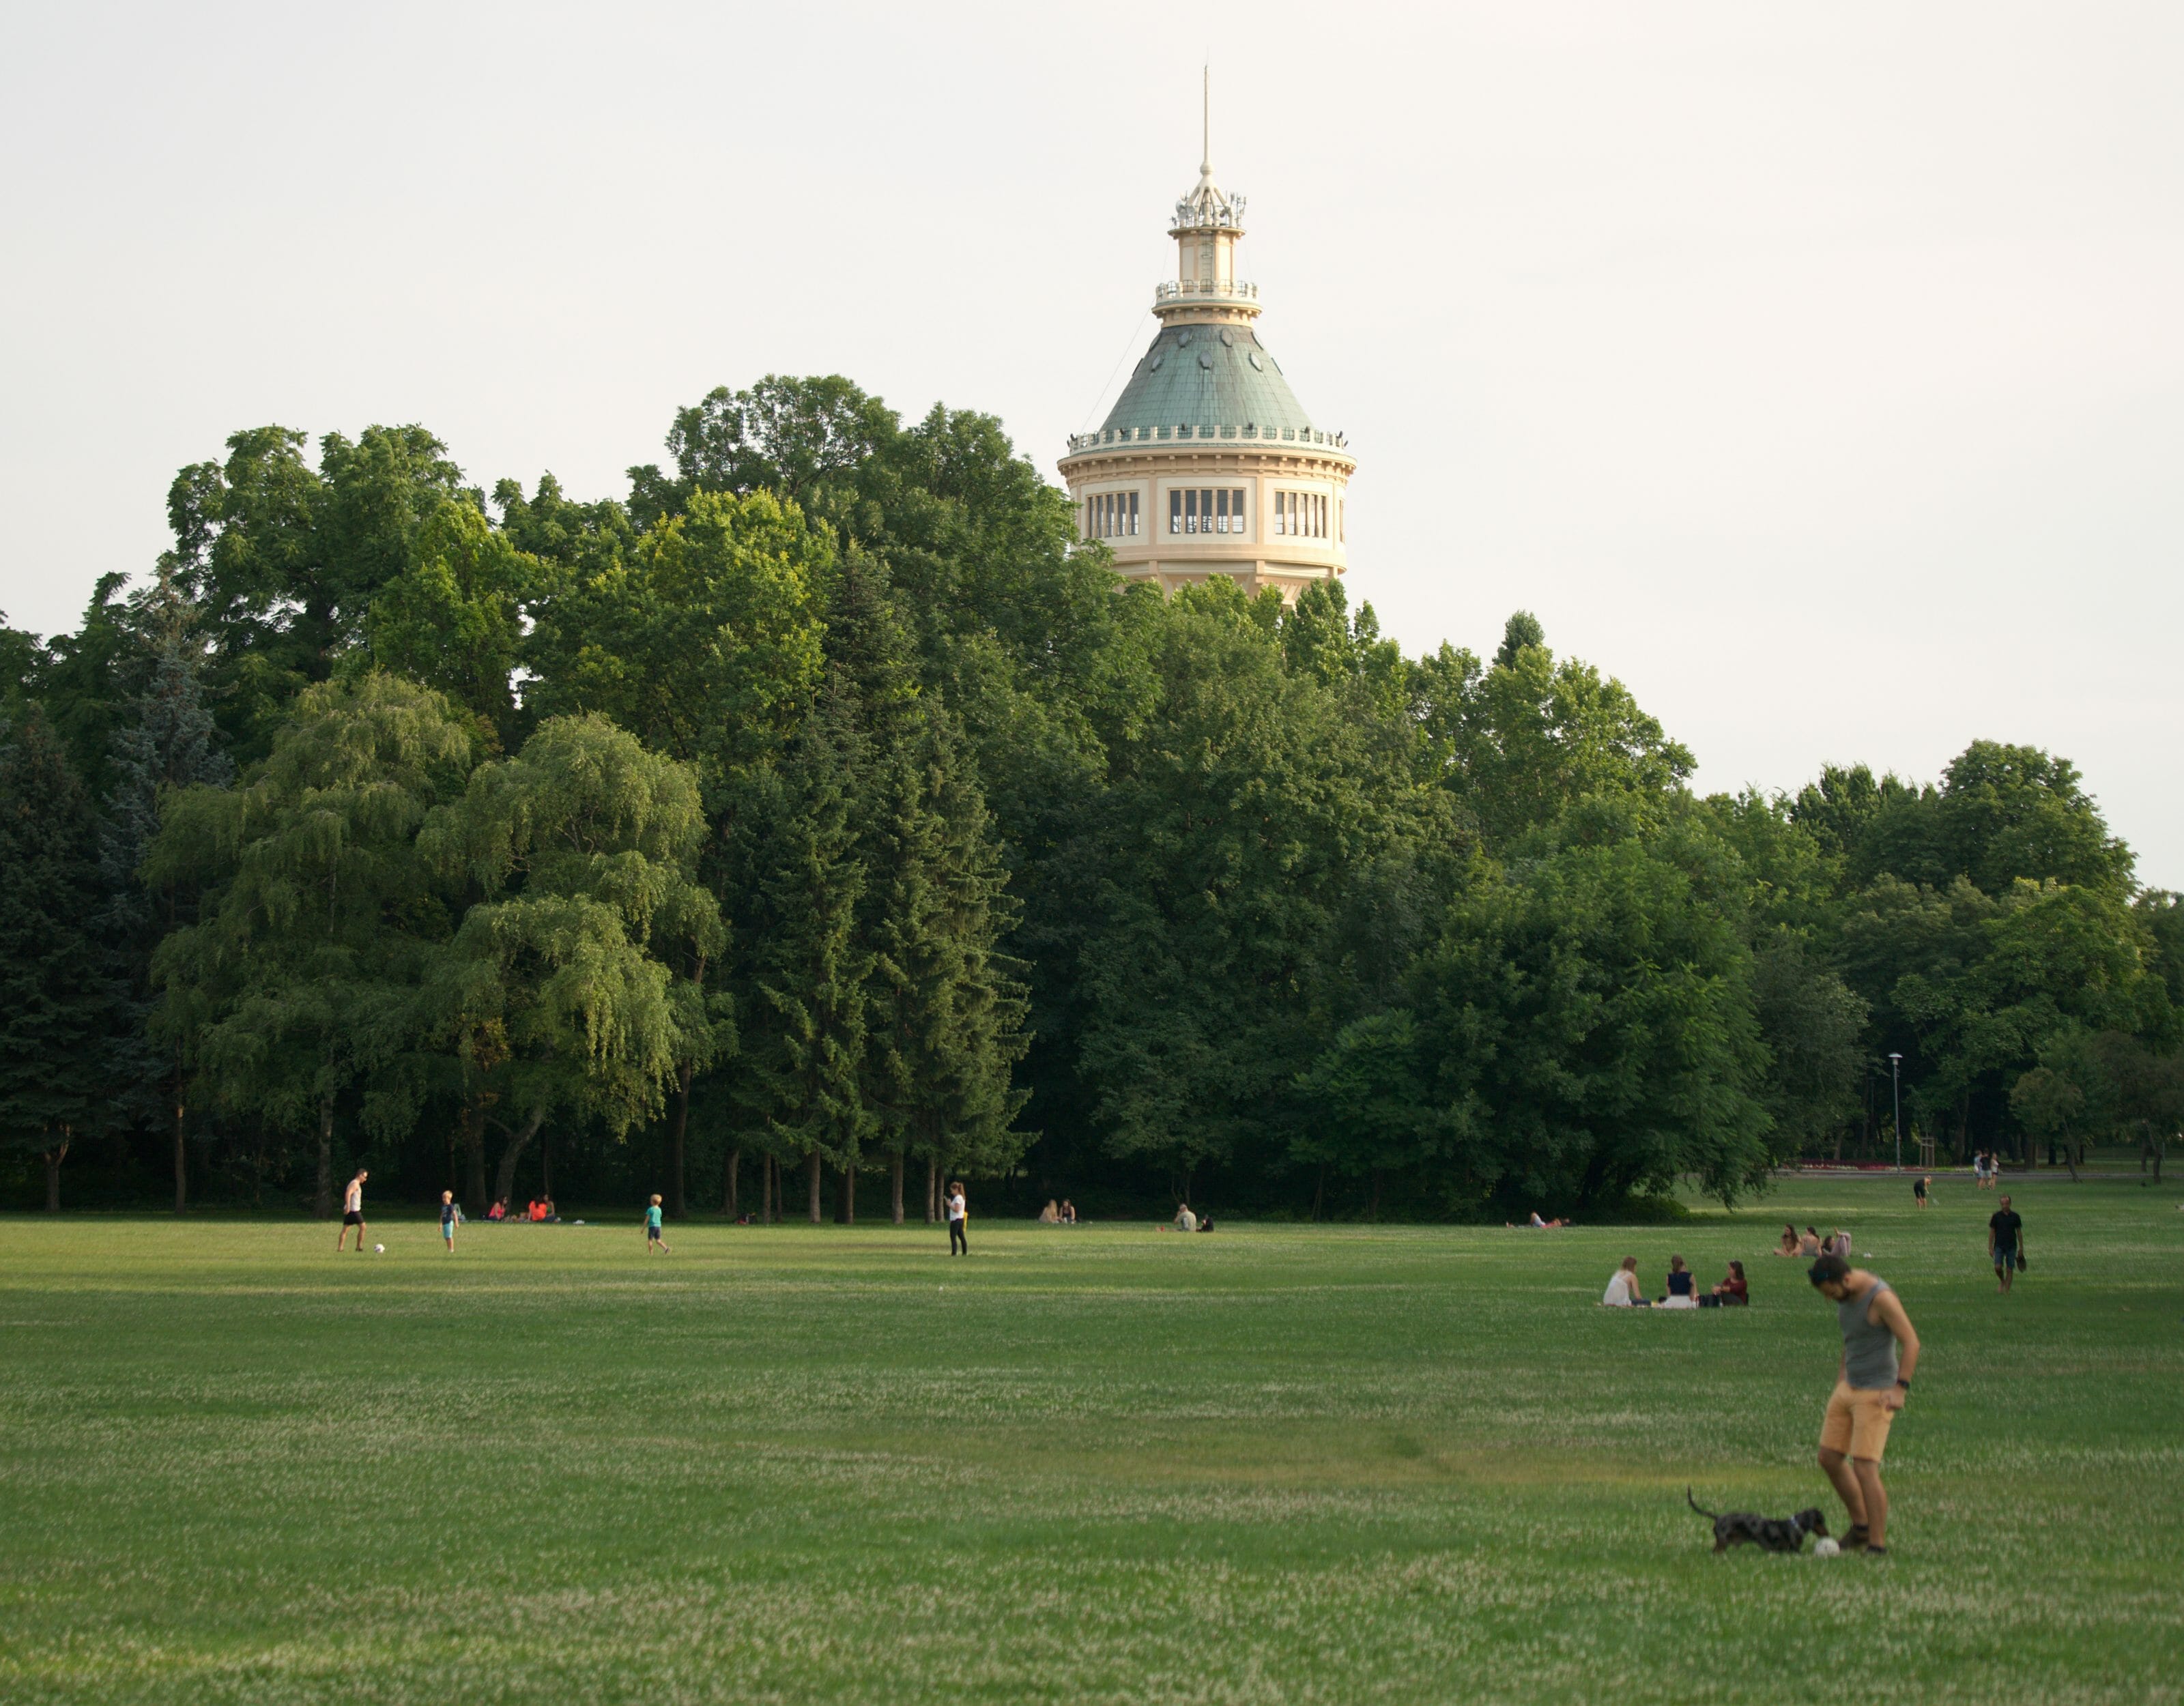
(1768, 1533)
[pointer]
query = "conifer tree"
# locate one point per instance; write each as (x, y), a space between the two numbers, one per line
(947, 1007)
(806, 1035)
(56, 1002)
(170, 743)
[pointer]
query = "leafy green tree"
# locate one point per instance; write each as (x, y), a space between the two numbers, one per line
(1592, 1024)
(1522, 629)
(704, 642)
(298, 985)
(56, 1002)
(452, 616)
(1372, 1107)
(580, 851)
(287, 560)
(1813, 1026)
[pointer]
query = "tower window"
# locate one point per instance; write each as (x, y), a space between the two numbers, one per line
(1175, 512)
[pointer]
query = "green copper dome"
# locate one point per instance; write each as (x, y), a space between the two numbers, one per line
(1205, 381)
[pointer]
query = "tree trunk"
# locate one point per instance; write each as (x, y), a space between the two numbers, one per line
(181, 1159)
(850, 1195)
(675, 1135)
(54, 1158)
(895, 1168)
(1319, 1192)
(322, 1199)
(769, 1189)
(1373, 1212)
(728, 1188)
(518, 1143)
(932, 1189)
(474, 1159)
(811, 1171)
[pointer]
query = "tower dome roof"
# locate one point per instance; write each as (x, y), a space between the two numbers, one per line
(1208, 377)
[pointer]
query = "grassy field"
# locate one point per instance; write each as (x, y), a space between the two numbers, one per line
(1293, 1464)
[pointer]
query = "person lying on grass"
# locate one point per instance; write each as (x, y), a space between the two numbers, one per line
(1537, 1225)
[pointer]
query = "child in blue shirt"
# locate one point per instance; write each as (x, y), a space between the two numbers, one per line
(451, 1216)
(653, 1241)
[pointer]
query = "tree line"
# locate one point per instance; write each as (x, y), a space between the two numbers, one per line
(823, 810)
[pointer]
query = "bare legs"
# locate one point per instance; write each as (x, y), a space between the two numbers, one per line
(1857, 1482)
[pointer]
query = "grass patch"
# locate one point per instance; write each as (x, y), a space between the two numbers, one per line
(1278, 1464)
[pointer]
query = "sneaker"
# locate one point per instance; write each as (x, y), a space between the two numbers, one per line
(1855, 1540)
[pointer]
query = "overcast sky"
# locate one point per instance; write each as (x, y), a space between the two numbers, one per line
(1819, 371)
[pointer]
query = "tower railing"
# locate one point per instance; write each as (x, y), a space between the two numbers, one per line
(1223, 289)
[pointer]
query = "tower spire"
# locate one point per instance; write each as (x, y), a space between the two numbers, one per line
(1205, 122)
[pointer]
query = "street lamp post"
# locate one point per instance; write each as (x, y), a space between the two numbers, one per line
(1896, 1089)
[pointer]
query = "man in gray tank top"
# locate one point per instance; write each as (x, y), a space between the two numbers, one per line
(1881, 1350)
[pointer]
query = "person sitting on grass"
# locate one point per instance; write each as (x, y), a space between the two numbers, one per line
(1810, 1245)
(1205, 1223)
(1068, 1212)
(1623, 1291)
(498, 1211)
(1732, 1289)
(1050, 1215)
(1683, 1287)
(1788, 1247)
(1185, 1221)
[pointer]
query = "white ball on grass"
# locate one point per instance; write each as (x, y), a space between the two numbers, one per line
(379, 1250)
(1824, 1548)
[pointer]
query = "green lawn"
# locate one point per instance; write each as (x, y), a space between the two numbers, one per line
(1296, 1464)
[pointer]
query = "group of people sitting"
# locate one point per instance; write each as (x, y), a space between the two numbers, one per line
(1186, 1221)
(1625, 1292)
(541, 1209)
(1063, 1213)
(1810, 1243)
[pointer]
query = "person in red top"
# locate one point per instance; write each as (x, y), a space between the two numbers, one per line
(1733, 1290)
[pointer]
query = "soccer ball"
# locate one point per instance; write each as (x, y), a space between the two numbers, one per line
(1824, 1548)
(379, 1250)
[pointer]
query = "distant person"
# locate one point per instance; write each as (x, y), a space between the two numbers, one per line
(1683, 1287)
(2005, 1243)
(1068, 1212)
(1810, 1245)
(1982, 1169)
(1732, 1290)
(654, 1236)
(1624, 1291)
(1837, 1244)
(353, 1212)
(1205, 1223)
(451, 1216)
(958, 1213)
(1918, 1190)
(498, 1211)
(1880, 1351)
(1050, 1215)
(1185, 1221)
(1788, 1247)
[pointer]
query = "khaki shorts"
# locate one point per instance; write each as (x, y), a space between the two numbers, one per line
(1856, 1422)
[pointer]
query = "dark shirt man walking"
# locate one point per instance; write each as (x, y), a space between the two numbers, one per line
(1881, 1350)
(2005, 1243)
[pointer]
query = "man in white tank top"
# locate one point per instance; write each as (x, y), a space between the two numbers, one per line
(353, 1212)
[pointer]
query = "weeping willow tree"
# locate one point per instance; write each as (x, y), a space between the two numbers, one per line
(555, 992)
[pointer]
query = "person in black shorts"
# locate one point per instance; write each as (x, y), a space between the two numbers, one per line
(1918, 1190)
(353, 1212)
(2005, 1243)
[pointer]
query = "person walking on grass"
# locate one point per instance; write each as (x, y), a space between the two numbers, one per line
(958, 1245)
(1880, 1354)
(353, 1212)
(451, 1216)
(653, 1240)
(2005, 1243)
